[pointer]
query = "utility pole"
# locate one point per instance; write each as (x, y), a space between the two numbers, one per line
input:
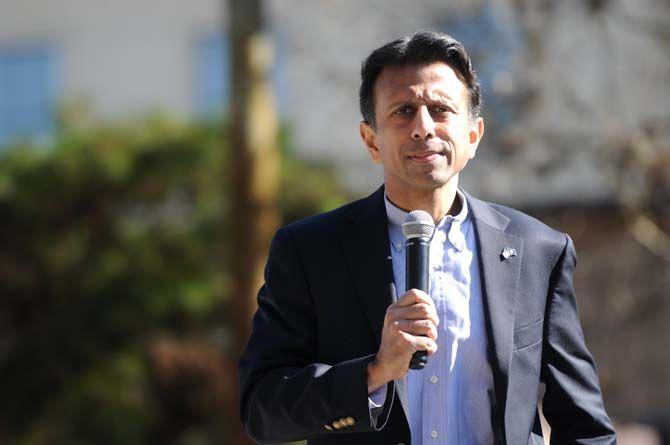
(254, 160)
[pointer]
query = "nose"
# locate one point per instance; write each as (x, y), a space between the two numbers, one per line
(424, 126)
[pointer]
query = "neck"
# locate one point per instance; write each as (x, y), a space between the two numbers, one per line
(437, 202)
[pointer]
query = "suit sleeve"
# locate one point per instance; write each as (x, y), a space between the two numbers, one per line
(285, 394)
(573, 403)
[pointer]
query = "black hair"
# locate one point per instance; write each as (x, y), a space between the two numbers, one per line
(420, 48)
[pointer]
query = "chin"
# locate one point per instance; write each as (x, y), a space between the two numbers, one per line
(428, 184)
(432, 181)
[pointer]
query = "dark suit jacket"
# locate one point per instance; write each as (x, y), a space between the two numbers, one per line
(321, 313)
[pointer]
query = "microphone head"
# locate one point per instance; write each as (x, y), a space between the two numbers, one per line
(418, 224)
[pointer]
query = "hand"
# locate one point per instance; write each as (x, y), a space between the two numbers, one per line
(410, 325)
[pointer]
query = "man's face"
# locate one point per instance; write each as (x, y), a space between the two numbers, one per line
(423, 135)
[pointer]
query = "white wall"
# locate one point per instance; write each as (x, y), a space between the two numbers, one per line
(124, 56)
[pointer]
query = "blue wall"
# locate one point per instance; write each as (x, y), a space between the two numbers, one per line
(27, 92)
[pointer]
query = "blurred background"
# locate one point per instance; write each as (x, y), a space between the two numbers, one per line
(150, 148)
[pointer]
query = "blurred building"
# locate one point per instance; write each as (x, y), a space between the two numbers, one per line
(572, 92)
(561, 81)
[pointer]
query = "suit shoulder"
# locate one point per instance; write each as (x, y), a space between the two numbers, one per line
(323, 224)
(529, 227)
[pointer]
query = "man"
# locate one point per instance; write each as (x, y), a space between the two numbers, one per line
(329, 353)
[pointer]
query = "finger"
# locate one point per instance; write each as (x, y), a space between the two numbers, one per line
(420, 343)
(431, 347)
(418, 327)
(413, 296)
(407, 342)
(419, 311)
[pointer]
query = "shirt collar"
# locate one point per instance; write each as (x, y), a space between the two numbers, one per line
(454, 227)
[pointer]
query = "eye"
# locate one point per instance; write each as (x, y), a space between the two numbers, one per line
(441, 109)
(405, 110)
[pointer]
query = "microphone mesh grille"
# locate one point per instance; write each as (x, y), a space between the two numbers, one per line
(418, 224)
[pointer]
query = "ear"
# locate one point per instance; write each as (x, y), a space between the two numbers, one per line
(475, 135)
(369, 136)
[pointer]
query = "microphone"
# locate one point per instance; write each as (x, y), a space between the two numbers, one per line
(418, 228)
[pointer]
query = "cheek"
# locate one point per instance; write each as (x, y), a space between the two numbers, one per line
(387, 150)
(459, 135)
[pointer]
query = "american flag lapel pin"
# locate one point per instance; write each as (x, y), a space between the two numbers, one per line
(507, 252)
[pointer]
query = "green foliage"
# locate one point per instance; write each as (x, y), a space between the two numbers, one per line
(110, 238)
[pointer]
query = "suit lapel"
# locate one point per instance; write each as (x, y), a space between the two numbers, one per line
(367, 251)
(500, 280)
(367, 248)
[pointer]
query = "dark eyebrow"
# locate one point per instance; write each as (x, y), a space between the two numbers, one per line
(443, 99)
(446, 103)
(403, 102)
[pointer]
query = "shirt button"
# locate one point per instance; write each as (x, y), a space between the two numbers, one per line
(434, 379)
(433, 434)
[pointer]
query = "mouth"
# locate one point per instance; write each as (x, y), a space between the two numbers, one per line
(425, 157)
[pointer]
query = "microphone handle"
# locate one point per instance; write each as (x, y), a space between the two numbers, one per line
(416, 277)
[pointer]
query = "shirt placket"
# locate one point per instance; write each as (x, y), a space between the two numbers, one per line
(434, 384)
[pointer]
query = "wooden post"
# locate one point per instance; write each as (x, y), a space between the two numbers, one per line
(254, 159)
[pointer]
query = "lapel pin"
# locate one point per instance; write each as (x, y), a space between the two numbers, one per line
(507, 252)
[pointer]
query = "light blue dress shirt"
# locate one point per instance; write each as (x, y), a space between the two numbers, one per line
(450, 399)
